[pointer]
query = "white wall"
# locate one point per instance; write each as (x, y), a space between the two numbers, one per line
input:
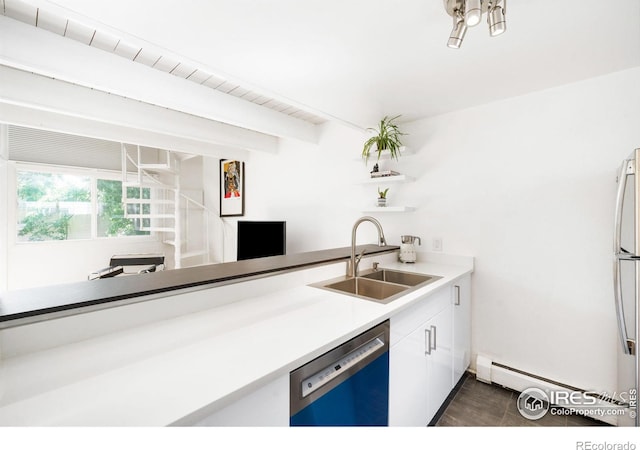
(309, 186)
(525, 185)
(313, 188)
(211, 189)
(34, 264)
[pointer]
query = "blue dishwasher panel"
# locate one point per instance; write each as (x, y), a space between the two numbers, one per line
(360, 400)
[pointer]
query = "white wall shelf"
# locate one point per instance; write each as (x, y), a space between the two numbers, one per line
(387, 180)
(389, 209)
(404, 151)
(384, 181)
(391, 179)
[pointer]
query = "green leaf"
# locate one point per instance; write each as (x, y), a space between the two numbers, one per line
(383, 194)
(387, 138)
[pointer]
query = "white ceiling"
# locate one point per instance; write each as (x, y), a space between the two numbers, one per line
(142, 52)
(357, 60)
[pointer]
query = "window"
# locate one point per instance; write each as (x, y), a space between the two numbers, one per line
(111, 220)
(53, 206)
(64, 205)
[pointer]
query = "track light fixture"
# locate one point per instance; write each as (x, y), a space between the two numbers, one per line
(496, 20)
(468, 13)
(458, 32)
(472, 12)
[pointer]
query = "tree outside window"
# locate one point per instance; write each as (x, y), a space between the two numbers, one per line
(53, 206)
(111, 220)
(59, 206)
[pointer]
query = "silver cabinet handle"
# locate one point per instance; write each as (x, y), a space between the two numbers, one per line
(427, 341)
(619, 254)
(435, 335)
(457, 300)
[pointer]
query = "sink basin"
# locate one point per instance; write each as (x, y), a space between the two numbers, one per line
(365, 287)
(382, 286)
(400, 277)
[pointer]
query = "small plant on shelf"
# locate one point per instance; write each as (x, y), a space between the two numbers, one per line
(382, 197)
(388, 138)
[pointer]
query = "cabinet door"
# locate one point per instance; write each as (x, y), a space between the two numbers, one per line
(461, 327)
(408, 381)
(439, 360)
(420, 367)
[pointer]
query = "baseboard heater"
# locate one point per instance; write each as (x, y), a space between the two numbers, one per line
(491, 372)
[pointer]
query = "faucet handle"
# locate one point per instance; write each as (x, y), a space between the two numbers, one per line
(375, 265)
(356, 263)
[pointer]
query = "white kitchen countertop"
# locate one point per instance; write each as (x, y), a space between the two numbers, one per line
(162, 373)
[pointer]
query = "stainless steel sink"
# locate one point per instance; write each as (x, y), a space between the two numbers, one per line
(367, 288)
(400, 277)
(382, 286)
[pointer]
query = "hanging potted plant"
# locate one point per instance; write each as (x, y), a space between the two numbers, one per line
(382, 197)
(387, 138)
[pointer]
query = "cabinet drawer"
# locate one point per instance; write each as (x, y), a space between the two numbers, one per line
(406, 321)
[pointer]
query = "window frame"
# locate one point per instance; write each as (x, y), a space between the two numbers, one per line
(93, 174)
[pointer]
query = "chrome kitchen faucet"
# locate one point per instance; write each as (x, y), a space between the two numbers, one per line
(353, 268)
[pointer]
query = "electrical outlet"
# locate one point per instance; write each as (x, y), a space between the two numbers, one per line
(436, 244)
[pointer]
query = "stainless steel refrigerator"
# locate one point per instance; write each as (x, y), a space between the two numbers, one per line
(626, 280)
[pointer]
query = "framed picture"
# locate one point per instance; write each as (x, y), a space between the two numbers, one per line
(231, 188)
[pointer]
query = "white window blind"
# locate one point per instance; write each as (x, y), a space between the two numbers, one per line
(49, 147)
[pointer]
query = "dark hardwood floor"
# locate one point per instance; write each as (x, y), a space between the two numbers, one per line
(477, 404)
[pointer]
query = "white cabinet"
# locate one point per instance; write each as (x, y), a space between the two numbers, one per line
(408, 373)
(267, 406)
(430, 346)
(461, 326)
(439, 361)
(420, 372)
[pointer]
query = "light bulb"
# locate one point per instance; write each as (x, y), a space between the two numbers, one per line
(458, 32)
(497, 21)
(472, 12)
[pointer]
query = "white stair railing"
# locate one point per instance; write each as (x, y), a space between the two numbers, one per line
(177, 228)
(166, 204)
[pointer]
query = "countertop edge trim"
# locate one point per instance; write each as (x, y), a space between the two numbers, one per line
(10, 320)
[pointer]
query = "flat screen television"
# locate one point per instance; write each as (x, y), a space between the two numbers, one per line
(261, 238)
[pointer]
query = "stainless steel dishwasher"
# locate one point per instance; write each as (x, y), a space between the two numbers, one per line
(347, 386)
